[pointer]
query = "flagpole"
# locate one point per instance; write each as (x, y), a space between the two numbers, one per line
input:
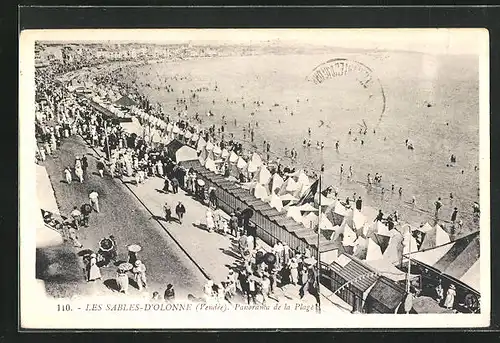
(319, 254)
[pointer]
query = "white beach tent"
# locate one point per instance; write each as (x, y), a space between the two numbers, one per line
(241, 164)
(201, 144)
(195, 138)
(209, 146)
(310, 220)
(225, 153)
(275, 183)
(369, 229)
(356, 220)
(276, 202)
(360, 247)
(254, 163)
(303, 179)
(210, 164)
(433, 236)
(289, 186)
(263, 176)
(203, 157)
(294, 213)
(349, 236)
(373, 251)
(217, 150)
(260, 192)
(324, 223)
(409, 244)
(233, 158)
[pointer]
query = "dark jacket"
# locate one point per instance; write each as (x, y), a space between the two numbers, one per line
(180, 209)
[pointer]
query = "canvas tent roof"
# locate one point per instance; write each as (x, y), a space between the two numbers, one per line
(388, 270)
(125, 101)
(434, 237)
(289, 186)
(349, 268)
(185, 153)
(276, 202)
(276, 182)
(263, 176)
(388, 294)
(458, 259)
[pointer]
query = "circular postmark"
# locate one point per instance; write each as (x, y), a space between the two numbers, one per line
(352, 76)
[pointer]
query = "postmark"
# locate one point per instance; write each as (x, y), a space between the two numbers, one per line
(338, 68)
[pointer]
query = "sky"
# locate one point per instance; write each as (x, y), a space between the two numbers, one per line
(438, 41)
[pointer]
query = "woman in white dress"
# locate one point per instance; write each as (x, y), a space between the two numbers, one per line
(450, 297)
(122, 281)
(79, 172)
(159, 166)
(94, 273)
(67, 175)
(210, 221)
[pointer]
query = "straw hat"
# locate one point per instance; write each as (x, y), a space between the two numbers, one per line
(137, 263)
(452, 286)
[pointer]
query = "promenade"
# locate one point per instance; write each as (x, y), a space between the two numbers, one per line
(213, 253)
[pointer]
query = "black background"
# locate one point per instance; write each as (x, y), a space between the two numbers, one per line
(13, 19)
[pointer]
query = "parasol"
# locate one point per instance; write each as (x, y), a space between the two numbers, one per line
(134, 248)
(85, 252)
(125, 266)
(106, 244)
(269, 258)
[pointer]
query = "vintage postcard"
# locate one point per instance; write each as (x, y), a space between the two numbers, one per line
(254, 178)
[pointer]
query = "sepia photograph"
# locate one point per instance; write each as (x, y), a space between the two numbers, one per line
(247, 178)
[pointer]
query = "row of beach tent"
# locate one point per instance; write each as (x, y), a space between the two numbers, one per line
(356, 230)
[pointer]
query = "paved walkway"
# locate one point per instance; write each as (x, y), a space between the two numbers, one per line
(214, 253)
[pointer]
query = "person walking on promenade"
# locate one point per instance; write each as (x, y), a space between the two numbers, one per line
(139, 271)
(122, 281)
(85, 165)
(168, 212)
(233, 225)
(454, 215)
(76, 216)
(359, 204)
(67, 175)
(100, 167)
(294, 272)
(73, 236)
(175, 185)
(449, 301)
(94, 200)
(438, 204)
(85, 209)
(166, 186)
(79, 172)
(243, 247)
(169, 295)
(379, 217)
(180, 210)
(41, 150)
(93, 271)
(210, 220)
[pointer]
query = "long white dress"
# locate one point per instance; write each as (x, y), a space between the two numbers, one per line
(450, 298)
(94, 271)
(210, 221)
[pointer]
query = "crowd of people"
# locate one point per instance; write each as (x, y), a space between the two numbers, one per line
(61, 114)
